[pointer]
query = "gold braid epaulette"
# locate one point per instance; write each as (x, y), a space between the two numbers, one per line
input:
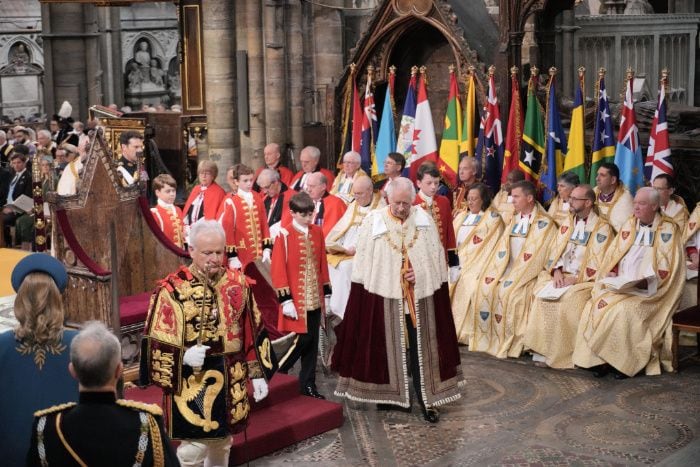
(152, 409)
(54, 409)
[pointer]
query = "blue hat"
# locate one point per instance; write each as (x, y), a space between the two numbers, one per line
(40, 262)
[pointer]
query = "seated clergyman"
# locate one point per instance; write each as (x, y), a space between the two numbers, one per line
(563, 288)
(627, 324)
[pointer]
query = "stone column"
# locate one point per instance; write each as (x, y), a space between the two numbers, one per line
(256, 85)
(568, 66)
(275, 74)
(111, 54)
(295, 78)
(219, 50)
(69, 37)
(241, 31)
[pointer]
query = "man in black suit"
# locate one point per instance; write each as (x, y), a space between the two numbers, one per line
(100, 429)
(20, 184)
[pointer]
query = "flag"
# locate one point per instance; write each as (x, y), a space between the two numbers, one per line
(386, 140)
(603, 146)
(514, 131)
(451, 135)
(628, 152)
(369, 127)
(470, 128)
(424, 144)
(576, 155)
(346, 124)
(357, 117)
(533, 134)
(404, 143)
(659, 152)
(555, 144)
(489, 149)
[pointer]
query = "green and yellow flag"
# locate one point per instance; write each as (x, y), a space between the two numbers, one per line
(451, 135)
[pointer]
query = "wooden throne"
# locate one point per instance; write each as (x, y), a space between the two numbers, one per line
(113, 250)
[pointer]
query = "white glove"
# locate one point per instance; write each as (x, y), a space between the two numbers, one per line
(327, 302)
(454, 273)
(289, 310)
(266, 256)
(234, 263)
(259, 389)
(194, 356)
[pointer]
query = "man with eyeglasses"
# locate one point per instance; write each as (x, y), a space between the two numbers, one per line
(276, 198)
(393, 167)
(342, 185)
(399, 300)
(310, 160)
(576, 255)
(328, 209)
(671, 204)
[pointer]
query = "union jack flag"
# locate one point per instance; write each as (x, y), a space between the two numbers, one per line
(369, 129)
(659, 153)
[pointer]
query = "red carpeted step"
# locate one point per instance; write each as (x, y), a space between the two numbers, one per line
(284, 424)
(283, 418)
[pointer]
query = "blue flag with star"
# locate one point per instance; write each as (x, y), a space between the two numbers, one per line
(555, 146)
(603, 147)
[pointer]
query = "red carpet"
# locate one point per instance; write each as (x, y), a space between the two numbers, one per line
(283, 418)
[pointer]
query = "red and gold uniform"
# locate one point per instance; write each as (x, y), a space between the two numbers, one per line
(297, 183)
(300, 275)
(327, 213)
(439, 209)
(203, 202)
(243, 218)
(169, 219)
(213, 402)
(286, 175)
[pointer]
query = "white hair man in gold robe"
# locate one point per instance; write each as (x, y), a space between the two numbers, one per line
(627, 323)
(614, 201)
(342, 185)
(564, 287)
(341, 241)
(505, 285)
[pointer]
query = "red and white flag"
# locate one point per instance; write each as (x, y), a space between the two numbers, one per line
(424, 143)
(658, 159)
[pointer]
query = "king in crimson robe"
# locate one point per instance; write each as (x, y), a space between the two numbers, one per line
(370, 356)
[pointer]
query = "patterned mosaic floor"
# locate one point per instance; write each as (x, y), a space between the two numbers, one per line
(516, 414)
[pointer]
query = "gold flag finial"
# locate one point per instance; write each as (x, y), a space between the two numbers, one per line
(451, 68)
(414, 70)
(552, 71)
(664, 74)
(353, 67)
(392, 69)
(629, 73)
(492, 70)
(423, 69)
(601, 72)
(581, 71)
(534, 71)
(513, 70)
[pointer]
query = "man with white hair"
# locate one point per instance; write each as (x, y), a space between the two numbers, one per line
(100, 429)
(328, 209)
(342, 185)
(276, 198)
(627, 323)
(202, 341)
(341, 241)
(310, 159)
(44, 141)
(398, 299)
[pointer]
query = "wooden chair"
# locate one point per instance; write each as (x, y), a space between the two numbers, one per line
(687, 320)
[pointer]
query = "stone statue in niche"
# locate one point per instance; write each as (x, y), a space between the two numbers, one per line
(144, 72)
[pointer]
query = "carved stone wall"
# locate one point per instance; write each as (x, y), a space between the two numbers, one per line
(150, 67)
(21, 60)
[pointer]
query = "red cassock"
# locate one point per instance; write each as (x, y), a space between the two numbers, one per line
(300, 273)
(213, 197)
(328, 214)
(247, 232)
(170, 222)
(329, 178)
(441, 213)
(286, 175)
